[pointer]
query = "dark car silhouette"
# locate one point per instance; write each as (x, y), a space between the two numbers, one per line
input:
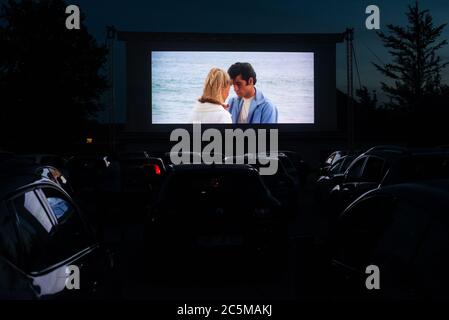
(331, 177)
(302, 168)
(42, 233)
(141, 173)
(382, 166)
(87, 172)
(215, 210)
(404, 231)
(282, 185)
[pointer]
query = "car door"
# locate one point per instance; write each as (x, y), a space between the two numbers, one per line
(358, 235)
(79, 241)
(50, 240)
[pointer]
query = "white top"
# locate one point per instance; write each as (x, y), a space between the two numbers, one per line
(210, 113)
(243, 117)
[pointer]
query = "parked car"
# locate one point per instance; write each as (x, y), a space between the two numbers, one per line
(42, 233)
(331, 159)
(87, 172)
(302, 167)
(286, 162)
(213, 209)
(403, 230)
(381, 166)
(282, 185)
(141, 174)
(335, 157)
(331, 177)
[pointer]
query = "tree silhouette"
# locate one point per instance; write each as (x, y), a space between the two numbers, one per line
(51, 78)
(366, 99)
(416, 68)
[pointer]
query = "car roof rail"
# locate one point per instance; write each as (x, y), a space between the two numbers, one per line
(392, 148)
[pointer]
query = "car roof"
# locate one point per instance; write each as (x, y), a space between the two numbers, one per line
(386, 151)
(434, 193)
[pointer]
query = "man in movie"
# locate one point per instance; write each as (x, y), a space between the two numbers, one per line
(250, 106)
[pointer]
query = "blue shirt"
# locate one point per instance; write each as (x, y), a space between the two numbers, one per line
(261, 110)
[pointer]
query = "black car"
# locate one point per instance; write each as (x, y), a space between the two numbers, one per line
(141, 178)
(141, 173)
(282, 185)
(404, 231)
(331, 177)
(335, 157)
(332, 159)
(381, 166)
(301, 166)
(363, 174)
(213, 209)
(88, 173)
(43, 234)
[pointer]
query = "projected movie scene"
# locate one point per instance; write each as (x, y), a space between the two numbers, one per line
(232, 87)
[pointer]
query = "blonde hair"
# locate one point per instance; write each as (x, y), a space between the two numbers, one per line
(216, 81)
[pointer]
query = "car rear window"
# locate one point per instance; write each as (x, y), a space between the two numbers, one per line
(214, 189)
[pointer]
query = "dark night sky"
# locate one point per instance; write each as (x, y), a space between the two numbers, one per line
(264, 16)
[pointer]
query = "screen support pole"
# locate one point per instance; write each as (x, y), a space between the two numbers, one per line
(110, 44)
(350, 87)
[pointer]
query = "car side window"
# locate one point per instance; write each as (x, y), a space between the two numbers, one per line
(72, 231)
(50, 229)
(35, 228)
(373, 169)
(355, 169)
(61, 208)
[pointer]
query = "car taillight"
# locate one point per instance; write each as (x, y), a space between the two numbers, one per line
(156, 168)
